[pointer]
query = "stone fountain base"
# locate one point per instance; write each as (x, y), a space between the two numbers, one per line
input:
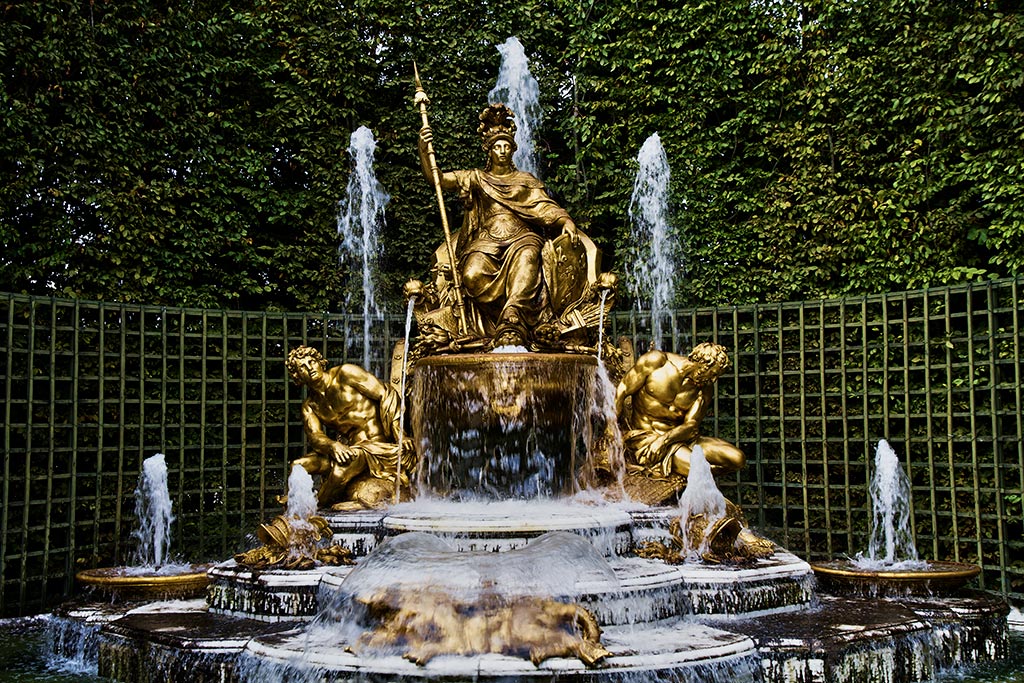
(763, 622)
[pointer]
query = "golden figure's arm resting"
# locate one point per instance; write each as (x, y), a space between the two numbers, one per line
(318, 439)
(688, 431)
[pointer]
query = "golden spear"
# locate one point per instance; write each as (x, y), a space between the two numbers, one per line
(422, 101)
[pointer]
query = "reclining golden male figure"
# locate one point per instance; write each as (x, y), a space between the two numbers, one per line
(670, 395)
(352, 426)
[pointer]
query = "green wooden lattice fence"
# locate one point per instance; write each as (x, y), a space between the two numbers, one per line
(91, 389)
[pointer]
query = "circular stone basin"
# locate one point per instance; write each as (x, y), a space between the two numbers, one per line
(126, 583)
(845, 578)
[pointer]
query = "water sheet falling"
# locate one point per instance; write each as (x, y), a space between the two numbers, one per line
(518, 89)
(500, 425)
(359, 226)
(891, 546)
(652, 274)
(418, 561)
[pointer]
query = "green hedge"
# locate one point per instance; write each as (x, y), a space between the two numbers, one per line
(195, 155)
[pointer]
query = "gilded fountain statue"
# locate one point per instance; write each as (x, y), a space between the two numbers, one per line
(492, 535)
(518, 272)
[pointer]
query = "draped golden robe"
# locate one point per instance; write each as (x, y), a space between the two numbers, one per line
(499, 246)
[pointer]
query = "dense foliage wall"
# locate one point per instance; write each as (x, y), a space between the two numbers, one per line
(195, 153)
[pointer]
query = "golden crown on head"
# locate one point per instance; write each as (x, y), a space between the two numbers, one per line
(496, 123)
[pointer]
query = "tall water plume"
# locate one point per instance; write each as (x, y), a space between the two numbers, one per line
(652, 274)
(153, 509)
(892, 540)
(359, 226)
(302, 501)
(518, 89)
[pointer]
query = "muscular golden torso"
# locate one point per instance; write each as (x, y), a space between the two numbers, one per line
(667, 398)
(349, 413)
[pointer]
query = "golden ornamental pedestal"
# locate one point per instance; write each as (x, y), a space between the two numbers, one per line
(938, 578)
(120, 584)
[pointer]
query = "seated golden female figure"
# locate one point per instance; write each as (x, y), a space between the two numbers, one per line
(352, 425)
(670, 396)
(498, 249)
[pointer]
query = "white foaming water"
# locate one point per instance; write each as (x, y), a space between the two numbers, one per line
(892, 540)
(359, 226)
(418, 561)
(153, 509)
(652, 274)
(510, 348)
(72, 646)
(301, 495)
(519, 90)
(701, 496)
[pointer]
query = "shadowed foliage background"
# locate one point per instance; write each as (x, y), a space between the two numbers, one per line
(195, 153)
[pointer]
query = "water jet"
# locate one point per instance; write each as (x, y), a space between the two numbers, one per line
(154, 575)
(891, 566)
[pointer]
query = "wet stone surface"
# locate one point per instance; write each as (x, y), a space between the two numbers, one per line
(175, 646)
(836, 622)
(192, 629)
(862, 639)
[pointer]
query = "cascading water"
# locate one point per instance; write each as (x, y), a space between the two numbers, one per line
(653, 272)
(603, 436)
(420, 561)
(518, 89)
(359, 226)
(524, 440)
(891, 546)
